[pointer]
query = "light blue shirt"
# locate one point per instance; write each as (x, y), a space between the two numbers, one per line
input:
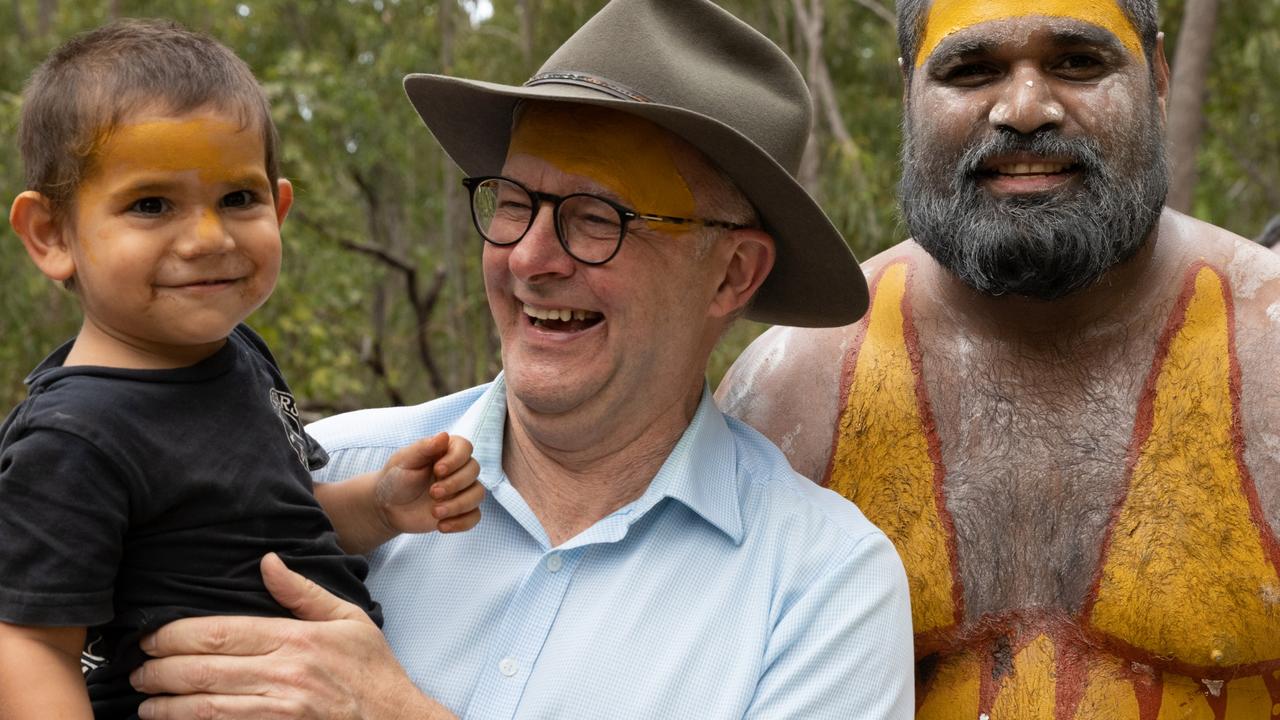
(733, 588)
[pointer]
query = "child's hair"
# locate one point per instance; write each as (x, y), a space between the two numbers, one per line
(95, 80)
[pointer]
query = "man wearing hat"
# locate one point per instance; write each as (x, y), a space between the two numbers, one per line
(640, 556)
(1062, 403)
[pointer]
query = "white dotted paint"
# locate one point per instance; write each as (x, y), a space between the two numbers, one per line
(1214, 686)
(1273, 312)
(1248, 275)
(1031, 83)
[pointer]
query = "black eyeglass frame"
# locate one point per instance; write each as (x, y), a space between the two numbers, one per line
(625, 215)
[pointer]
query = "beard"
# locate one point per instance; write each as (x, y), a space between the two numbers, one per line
(1041, 245)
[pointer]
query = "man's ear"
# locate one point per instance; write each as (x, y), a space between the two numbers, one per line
(284, 199)
(43, 235)
(1160, 71)
(751, 254)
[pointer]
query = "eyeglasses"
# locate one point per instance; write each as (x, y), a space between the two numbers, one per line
(590, 228)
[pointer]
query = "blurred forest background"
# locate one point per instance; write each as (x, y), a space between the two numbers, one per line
(381, 301)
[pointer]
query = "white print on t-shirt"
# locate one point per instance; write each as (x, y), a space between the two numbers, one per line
(88, 660)
(287, 411)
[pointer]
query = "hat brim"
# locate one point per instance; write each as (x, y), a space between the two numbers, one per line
(815, 281)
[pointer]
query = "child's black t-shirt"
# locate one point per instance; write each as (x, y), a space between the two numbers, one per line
(130, 498)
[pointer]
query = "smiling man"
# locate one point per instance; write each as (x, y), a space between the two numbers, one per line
(640, 555)
(1061, 403)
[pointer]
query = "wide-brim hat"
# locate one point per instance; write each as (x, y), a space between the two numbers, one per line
(694, 69)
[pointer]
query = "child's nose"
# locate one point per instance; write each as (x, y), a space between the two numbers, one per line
(207, 236)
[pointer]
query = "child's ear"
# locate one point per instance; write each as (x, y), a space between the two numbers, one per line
(43, 235)
(284, 199)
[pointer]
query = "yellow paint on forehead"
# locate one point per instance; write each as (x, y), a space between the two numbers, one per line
(217, 149)
(626, 154)
(947, 17)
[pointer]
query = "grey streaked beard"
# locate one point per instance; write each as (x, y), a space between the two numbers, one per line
(1045, 245)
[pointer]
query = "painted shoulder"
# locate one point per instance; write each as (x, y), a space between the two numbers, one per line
(789, 383)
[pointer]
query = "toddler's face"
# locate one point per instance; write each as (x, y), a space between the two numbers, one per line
(175, 234)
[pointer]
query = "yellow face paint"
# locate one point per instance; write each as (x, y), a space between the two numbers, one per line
(218, 150)
(626, 154)
(156, 154)
(947, 17)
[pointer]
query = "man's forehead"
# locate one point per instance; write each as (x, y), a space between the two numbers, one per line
(947, 17)
(630, 156)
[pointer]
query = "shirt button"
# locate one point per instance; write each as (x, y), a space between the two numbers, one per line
(508, 666)
(554, 563)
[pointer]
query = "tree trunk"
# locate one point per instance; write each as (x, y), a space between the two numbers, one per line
(528, 23)
(1186, 99)
(44, 16)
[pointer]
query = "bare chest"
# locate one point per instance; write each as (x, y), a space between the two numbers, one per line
(1067, 515)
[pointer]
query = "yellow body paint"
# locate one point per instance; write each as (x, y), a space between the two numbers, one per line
(628, 155)
(1186, 574)
(1248, 698)
(1106, 694)
(951, 16)
(1028, 691)
(1184, 699)
(886, 458)
(953, 693)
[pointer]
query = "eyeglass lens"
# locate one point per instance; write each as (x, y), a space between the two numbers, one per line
(589, 228)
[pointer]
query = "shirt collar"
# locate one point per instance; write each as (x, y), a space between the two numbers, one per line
(700, 473)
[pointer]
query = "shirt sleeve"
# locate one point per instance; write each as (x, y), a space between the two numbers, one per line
(63, 514)
(843, 648)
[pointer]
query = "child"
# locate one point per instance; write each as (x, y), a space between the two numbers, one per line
(159, 456)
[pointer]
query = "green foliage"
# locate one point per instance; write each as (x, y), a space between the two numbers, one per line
(367, 173)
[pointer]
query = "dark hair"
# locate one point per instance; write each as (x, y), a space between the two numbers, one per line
(95, 80)
(912, 15)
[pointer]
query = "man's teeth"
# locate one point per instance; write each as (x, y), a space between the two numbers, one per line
(561, 314)
(1031, 168)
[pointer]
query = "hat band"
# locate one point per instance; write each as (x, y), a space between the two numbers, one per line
(588, 81)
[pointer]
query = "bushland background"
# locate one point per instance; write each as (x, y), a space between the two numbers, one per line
(381, 300)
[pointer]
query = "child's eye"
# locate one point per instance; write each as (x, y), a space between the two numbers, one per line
(149, 206)
(239, 199)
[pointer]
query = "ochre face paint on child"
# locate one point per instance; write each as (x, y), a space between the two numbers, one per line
(626, 154)
(947, 17)
(218, 150)
(160, 153)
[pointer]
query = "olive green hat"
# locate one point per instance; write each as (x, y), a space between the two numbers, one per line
(697, 71)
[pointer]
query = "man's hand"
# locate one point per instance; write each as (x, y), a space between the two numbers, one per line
(430, 485)
(331, 663)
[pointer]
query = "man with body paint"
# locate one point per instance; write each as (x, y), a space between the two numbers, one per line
(1061, 405)
(640, 555)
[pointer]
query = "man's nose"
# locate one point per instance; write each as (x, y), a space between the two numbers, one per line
(206, 235)
(1027, 103)
(539, 253)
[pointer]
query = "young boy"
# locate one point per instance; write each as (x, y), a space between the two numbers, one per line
(159, 456)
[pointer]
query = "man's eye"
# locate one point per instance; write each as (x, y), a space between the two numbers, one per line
(149, 206)
(967, 74)
(238, 199)
(1080, 67)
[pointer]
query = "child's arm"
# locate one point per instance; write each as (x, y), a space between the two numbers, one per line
(40, 673)
(406, 496)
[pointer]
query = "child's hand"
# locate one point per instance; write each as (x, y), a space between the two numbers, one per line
(430, 485)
